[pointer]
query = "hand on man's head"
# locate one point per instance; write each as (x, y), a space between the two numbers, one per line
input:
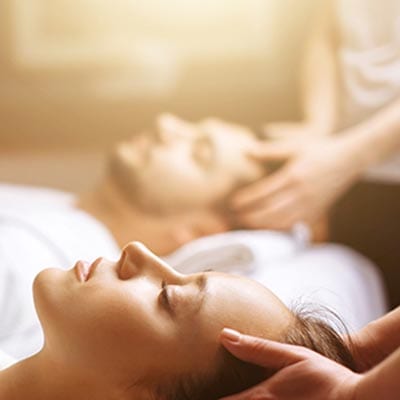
(315, 172)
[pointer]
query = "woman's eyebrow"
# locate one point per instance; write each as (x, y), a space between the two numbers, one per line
(201, 282)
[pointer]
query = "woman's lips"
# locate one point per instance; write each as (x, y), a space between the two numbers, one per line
(82, 270)
(85, 271)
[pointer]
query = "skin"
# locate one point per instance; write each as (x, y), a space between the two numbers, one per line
(163, 233)
(136, 322)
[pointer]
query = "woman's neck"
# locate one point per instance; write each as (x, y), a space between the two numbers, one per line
(25, 380)
(37, 378)
(40, 378)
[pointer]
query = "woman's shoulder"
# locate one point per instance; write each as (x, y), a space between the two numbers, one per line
(5, 360)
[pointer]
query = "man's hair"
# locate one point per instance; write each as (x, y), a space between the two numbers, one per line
(232, 375)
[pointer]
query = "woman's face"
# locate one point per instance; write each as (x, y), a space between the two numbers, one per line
(184, 165)
(139, 320)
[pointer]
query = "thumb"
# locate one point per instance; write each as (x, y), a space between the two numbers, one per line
(263, 352)
(259, 392)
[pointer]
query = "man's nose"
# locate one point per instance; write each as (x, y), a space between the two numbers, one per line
(137, 259)
(171, 128)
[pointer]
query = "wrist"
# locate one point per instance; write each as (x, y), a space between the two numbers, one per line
(356, 388)
(349, 388)
(348, 161)
(355, 152)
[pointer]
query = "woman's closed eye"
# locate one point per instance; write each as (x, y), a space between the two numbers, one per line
(180, 300)
(164, 297)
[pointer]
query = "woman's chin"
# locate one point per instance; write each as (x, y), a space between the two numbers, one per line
(48, 288)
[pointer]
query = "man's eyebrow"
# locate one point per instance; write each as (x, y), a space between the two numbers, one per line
(210, 142)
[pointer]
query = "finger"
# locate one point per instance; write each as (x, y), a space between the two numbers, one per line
(278, 213)
(250, 195)
(259, 392)
(281, 218)
(263, 352)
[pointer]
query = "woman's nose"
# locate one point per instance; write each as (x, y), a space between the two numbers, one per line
(136, 259)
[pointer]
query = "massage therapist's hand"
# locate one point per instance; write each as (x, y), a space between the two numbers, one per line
(376, 341)
(301, 373)
(316, 172)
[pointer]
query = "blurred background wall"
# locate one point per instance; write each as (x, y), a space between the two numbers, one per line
(77, 76)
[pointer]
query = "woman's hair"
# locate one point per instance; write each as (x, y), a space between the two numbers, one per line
(232, 375)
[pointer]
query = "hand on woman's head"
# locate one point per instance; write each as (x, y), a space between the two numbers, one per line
(137, 326)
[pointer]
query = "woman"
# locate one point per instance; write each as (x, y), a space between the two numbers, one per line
(137, 329)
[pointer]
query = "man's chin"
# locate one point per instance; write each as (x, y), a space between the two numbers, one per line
(123, 175)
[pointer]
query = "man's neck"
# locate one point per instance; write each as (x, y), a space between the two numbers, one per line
(162, 233)
(125, 221)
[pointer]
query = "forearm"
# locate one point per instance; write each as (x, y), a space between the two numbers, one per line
(376, 138)
(382, 382)
(319, 74)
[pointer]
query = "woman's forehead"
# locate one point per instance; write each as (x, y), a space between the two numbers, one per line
(248, 305)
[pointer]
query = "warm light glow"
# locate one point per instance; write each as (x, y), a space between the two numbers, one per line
(64, 60)
(48, 32)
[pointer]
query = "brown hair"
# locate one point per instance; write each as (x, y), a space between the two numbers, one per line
(232, 375)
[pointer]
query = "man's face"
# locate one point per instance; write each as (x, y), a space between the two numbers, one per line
(184, 166)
